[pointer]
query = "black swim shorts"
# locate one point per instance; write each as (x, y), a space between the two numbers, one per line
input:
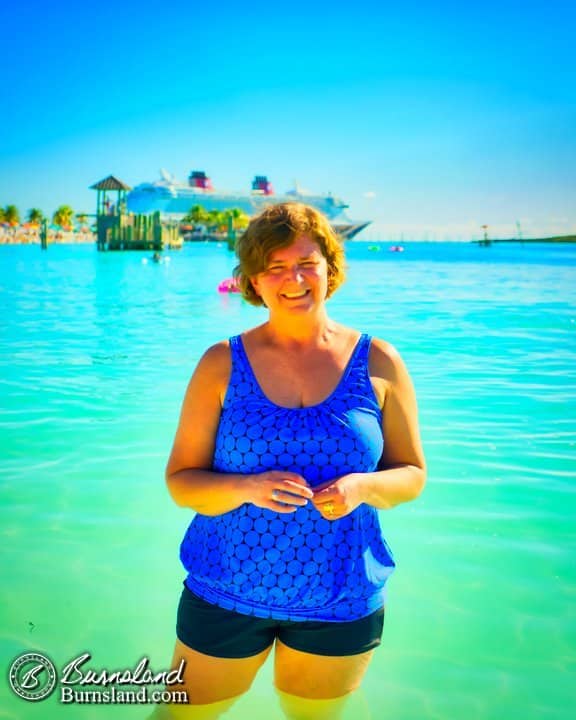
(211, 630)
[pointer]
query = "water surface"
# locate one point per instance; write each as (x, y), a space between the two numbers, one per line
(96, 353)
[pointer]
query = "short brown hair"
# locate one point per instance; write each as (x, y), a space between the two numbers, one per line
(277, 226)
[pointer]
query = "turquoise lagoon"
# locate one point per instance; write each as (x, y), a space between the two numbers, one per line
(96, 353)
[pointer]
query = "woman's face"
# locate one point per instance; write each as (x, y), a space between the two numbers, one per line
(295, 278)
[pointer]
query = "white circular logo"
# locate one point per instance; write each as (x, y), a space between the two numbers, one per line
(32, 676)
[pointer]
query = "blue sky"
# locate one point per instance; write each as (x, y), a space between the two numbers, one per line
(431, 119)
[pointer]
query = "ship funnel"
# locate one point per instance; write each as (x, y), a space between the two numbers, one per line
(261, 185)
(199, 179)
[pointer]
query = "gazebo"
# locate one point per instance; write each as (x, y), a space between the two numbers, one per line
(110, 184)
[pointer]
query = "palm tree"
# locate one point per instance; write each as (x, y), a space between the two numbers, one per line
(240, 219)
(10, 215)
(216, 221)
(35, 216)
(197, 215)
(82, 219)
(63, 217)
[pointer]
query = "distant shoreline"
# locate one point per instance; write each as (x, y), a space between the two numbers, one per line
(28, 236)
(557, 239)
(20, 236)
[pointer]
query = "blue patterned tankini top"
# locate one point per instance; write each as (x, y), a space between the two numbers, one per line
(294, 566)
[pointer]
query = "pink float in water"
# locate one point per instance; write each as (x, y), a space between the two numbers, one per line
(229, 285)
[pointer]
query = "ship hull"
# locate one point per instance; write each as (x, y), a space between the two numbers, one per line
(175, 201)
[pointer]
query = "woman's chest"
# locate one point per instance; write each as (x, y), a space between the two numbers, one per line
(298, 383)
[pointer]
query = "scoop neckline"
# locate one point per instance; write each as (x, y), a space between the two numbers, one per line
(327, 399)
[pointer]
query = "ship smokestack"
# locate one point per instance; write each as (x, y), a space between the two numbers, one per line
(261, 185)
(199, 179)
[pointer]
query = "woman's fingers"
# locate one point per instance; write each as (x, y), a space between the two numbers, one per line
(329, 510)
(289, 485)
(329, 502)
(294, 488)
(293, 480)
(290, 496)
(280, 491)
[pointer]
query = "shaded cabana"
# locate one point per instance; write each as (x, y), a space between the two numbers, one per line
(108, 185)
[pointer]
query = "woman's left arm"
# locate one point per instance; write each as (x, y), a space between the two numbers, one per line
(402, 470)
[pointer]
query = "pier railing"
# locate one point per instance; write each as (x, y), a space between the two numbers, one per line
(126, 231)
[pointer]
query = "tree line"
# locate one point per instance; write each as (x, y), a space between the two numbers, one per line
(216, 221)
(213, 221)
(63, 216)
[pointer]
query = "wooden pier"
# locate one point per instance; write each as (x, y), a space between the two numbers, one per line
(117, 229)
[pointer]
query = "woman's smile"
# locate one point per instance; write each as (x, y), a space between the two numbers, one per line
(295, 295)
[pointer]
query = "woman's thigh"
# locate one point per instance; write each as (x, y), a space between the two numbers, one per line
(318, 676)
(209, 679)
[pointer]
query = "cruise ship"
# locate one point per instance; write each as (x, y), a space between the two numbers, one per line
(174, 200)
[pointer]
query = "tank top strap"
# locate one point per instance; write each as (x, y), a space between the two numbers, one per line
(242, 384)
(359, 359)
(238, 358)
(362, 350)
(357, 377)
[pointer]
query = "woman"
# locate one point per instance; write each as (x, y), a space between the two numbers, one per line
(291, 436)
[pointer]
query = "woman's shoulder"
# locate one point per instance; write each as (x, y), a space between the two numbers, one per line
(385, 360)
(218, 351)
(216, 361)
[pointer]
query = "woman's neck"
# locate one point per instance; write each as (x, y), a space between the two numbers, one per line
(301, 331)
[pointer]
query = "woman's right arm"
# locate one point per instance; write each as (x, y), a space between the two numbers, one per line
(189, 477)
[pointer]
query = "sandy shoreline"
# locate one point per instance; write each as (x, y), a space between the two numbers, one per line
(31, 236)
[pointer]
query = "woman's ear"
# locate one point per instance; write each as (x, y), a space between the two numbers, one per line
(255, 284)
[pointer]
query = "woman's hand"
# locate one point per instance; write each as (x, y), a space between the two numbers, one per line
(339, 497)
(277, 490)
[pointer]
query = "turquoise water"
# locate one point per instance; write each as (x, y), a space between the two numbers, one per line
(96, 353)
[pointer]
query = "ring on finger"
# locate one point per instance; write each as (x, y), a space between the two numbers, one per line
(329, 508)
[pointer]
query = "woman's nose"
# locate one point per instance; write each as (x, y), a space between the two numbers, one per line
(296, 272)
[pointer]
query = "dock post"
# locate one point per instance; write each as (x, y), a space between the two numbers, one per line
(44, 234)
(231, 232)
